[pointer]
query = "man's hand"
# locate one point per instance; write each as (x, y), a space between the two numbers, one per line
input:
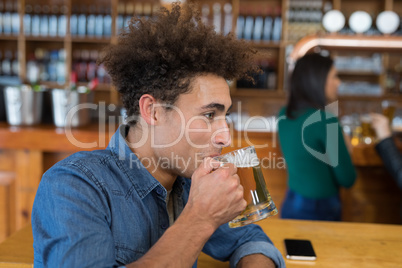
(216, 195)
(380, 124)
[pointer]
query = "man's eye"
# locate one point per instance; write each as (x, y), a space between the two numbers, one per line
(210, 115)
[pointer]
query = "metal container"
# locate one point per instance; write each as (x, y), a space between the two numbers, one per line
(68, 108)
(23, 105)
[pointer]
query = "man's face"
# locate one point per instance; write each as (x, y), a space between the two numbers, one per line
(196, 127)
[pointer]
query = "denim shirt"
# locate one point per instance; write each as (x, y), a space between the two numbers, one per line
(104, 209)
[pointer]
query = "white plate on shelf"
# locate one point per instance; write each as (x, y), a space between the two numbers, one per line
(333, 21)
(387, 22)
(360, 21)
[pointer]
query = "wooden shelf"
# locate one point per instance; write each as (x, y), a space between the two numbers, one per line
(103, 40)
(358, 73)
(266, 44)
(44, 38)
(52, 84)
(100, 87)
(9, 37)
(259, 93)
(349, 42)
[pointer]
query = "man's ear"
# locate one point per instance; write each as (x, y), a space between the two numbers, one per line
(148, 109)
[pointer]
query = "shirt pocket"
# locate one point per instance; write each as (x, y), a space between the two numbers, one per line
(126, 255)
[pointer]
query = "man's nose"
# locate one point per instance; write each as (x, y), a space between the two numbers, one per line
(222, 136)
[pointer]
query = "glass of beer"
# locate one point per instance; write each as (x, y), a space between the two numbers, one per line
(259, 201)
(367, 129)
(388, 109)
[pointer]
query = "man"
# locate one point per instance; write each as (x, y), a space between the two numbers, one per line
(133, 204)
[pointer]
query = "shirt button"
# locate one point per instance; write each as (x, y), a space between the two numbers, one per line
(159, 191)
(164, 226)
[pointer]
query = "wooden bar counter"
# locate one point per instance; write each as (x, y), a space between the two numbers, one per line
(337, 244)
(27, 152)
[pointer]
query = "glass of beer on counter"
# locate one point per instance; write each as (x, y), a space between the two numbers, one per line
(259, 201)
(388, 109)
(367, 131)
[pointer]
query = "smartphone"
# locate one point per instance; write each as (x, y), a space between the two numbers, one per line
(297, 249)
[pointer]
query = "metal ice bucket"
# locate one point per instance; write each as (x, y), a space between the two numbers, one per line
(67, 110)
(23, 105)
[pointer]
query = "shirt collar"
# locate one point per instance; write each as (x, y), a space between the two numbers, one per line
(132, 167)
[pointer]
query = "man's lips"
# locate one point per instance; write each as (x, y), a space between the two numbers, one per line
(214, 155)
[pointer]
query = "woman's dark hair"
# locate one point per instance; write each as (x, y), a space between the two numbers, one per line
(307, 83)
(161, 56)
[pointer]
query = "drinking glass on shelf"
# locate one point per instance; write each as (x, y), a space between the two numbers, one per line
(259, 201)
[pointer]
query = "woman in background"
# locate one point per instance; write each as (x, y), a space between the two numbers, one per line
(312, 143)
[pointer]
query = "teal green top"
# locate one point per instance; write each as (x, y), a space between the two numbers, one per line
(317, 160)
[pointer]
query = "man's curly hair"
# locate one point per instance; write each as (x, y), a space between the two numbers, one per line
(160, 56)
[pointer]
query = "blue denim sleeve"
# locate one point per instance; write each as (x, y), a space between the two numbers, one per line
(70, 221)
(232, 244)
(265, 248)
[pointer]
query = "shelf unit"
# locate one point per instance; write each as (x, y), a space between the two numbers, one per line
(276, 52)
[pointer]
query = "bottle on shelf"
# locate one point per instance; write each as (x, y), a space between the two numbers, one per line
(44, 21)
(217, 19)
(28, 19)
(61, 67)
(228, 19)
(62, 21)
(53, 20)
(15, 19)
(15, 66)
(32, 70)
(6, 18)
(52, 65)
(74, 21)
(35, 26)
(241, 20)
(277, 26)
(101, 74)
(120, 16)
(267, 30)
(42, 58)
(248, 26)
(91, 67)
(107, 23)
(99, 22)
(91, 21)
(6, 63)
(82, 66)
(82, 22)
(258, 26)
(1, 19)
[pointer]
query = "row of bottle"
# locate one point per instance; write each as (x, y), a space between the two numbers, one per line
(259, 25)
(9, 18)
(267, 79)
(46, 65)
(304, 17)
(84, 65)
(372, 63)
(9, 65)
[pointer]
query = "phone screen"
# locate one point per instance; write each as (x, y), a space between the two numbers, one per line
(297, 249)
